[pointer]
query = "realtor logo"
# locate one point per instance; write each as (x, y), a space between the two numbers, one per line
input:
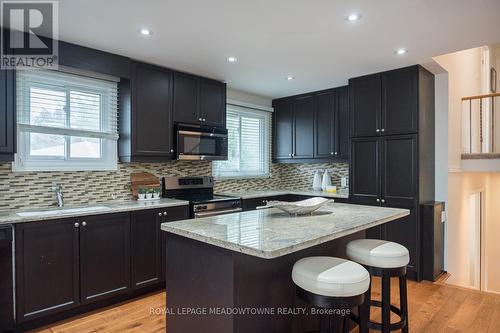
(29, 34)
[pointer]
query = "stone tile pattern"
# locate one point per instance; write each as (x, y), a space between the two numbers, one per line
(292, 176)
(32, 189)
(22, 190)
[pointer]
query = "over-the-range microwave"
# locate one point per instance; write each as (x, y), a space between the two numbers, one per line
(198, 142)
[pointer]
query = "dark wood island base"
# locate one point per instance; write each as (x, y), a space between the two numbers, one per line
(207, 284)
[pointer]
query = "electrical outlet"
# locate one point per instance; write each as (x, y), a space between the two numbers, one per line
(343, 182)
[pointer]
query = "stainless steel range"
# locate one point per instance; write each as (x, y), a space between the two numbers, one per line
(199, 191)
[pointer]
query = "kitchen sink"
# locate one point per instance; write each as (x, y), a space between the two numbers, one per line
(63, 211)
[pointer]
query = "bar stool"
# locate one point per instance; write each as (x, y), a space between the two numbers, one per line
(331, 283)
(384, 259)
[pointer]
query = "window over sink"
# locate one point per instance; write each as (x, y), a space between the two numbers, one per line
(65, 122)
(248, 144)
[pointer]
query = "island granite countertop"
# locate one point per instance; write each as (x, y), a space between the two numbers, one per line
(271, 233)
(106, 207)
(251, 194)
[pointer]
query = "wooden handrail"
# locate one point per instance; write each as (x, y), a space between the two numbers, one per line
(480, 96)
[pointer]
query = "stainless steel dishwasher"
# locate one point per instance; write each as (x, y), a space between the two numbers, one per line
(6, 289)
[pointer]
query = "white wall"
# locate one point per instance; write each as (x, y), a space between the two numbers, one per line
(464, 79)
(441, 146)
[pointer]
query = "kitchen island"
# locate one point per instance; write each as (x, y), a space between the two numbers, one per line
(232, 273)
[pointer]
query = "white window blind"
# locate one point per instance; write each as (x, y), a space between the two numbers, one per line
(65, 122)
(248, 144)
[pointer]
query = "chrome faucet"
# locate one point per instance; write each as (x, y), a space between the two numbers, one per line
(58, 190)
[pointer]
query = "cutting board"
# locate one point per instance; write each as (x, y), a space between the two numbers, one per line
(143, 179)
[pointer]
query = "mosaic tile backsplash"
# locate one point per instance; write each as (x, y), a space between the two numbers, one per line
(32, 189)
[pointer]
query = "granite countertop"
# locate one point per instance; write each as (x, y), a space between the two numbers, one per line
(107, 207)
(251, 194)
(271, 233)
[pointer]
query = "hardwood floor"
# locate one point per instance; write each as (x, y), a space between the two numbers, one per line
(434, 307)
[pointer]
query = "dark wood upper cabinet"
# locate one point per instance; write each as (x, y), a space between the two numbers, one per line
(304, 127)
(185, 98)
(145, 247)
(283, 129)
(213, 102)
(365, 105)
(145, 108)
(156, 97)
(104, 256)
(365, 171)
(47, 268)
(400, 101)
(341, 134)
(197, 100)
(312, 127)
(7, 115)
(153, 116)
(325, 124)
(385, 103)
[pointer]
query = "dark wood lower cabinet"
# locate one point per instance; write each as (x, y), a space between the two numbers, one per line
(253, 203)
(145, 244)
(148, 244)
(406, 232)
(104, 256)
(68, 266)
(47, 268)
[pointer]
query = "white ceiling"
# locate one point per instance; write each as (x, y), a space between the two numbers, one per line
(309, 39)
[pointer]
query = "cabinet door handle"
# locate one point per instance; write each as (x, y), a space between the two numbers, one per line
(383, 200)
(331, 153)
(378, 200)
(336, 153)
(378, 130)
(200, 119)
(77, 225)
(383, 129)
(159, 214)
(164, 213)
(84, 224)
(293, 155)
(290, 155)
(171, 150)
(204, 119)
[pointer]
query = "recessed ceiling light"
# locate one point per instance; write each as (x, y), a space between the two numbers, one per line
(145, 32)
(353, 17)
(290, 78)
(232, 59)
(401, 51)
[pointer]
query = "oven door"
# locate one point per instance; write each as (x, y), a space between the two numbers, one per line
(200, 143)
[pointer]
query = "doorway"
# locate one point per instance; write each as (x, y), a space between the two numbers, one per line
(475, 239)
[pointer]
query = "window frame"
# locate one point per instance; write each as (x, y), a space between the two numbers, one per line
(24, 161)
(243, 109)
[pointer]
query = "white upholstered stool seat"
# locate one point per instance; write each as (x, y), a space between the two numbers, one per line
(378, 253)
(332, 277)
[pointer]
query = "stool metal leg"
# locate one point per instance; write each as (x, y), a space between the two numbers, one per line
(386, 303)
(364, 310)
(336, 324)
(346, 324)
(403, 302)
